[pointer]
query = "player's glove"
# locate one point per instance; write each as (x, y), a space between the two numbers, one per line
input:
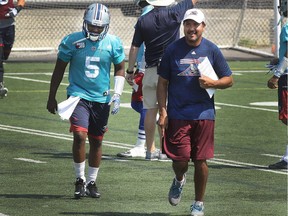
(116, 102)
(13, 11)
(272, 65)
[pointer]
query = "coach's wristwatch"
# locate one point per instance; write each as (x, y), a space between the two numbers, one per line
(129, 72)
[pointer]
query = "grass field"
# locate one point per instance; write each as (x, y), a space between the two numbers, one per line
(36, 169)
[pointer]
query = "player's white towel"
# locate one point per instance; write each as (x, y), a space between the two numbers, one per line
(66, 108)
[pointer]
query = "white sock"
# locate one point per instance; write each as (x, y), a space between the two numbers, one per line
(92, 173)
(140, 143)
(285, 157)
(80, 170)
(199, 203)
(141, 139)
(180, 182)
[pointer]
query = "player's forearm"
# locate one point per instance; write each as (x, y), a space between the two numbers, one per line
(21, 3)
(54, 85)
(162, 96)
(57, 77)
(132, 57)
(194, 2)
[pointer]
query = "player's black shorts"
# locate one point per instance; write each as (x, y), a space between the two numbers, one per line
(90, 117)
(7, 36)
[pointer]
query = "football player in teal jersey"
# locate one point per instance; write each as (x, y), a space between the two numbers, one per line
(90, 54)
(279, 80)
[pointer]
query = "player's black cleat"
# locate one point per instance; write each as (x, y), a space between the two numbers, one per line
(92, 190)
(79, 188)
(3, 90)
(279, 165)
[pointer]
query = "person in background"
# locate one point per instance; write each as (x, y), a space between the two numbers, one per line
(137, 97)
(279, 80)
(90, 54)
(157, 29)
(187, 112)
(8, 11)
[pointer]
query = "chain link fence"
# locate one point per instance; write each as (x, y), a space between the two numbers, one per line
(241, 24)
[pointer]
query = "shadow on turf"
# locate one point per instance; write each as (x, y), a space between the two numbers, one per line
(114, 214)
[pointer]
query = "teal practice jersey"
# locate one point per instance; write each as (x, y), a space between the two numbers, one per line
(90, 65)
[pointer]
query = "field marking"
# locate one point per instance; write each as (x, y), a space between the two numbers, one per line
(249, 71)
(47, 82)
(125, 146)
(32, 73)
(33, 80)
(245, 107)
(247, 165)
(263, 103)
(29, 160)
(58, 135)
(272, 155)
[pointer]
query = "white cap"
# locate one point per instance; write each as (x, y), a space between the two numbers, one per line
(160, 2)
(194, 14)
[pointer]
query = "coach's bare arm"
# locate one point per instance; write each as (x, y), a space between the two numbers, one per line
(162, 89)
(224, 82)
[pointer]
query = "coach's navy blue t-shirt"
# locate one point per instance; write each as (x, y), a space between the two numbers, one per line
(179, 65)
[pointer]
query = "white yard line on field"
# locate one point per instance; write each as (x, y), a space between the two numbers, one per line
(30, 160)
(247, 165)
(32, 80)
(272, 155)
(246, 107)
(125, 146)
(44, 81)
(58, 135)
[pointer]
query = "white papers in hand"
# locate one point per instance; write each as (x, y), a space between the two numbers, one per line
(66, 108)
(206, 69)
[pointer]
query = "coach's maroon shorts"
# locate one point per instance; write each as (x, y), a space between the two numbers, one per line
(193, 139)
(282, 98)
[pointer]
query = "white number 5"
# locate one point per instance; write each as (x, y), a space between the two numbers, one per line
(92, 70)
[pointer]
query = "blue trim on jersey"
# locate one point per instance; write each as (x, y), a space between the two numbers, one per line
(90, 65)
(283, 41)
(186, 99)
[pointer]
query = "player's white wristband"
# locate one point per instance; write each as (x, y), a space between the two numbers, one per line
(119, 84)
(282, 67)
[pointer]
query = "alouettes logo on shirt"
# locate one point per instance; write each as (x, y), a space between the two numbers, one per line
(80, 45)
(192, 69)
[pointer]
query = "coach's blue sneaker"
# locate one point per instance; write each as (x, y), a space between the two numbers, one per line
(92, 190)
(197, 209)
(79, 188)
(152, 155)
(163, 157)
(3, 90)
(279, 165)
(175, 191)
